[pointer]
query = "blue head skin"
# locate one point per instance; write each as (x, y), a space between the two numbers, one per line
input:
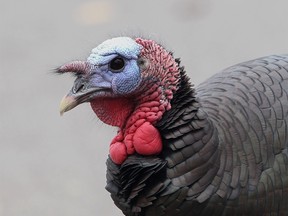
(112, 68)
(123, 80)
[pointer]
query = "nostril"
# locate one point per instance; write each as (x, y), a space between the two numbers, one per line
(78, 88)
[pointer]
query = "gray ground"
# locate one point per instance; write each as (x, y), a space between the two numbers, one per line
(56, 166)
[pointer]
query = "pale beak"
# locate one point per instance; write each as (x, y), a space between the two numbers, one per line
(67, 103)
(81, 92)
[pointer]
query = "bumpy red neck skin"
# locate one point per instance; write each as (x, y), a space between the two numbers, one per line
(137, 115)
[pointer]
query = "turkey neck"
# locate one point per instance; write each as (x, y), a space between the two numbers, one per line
(190, 143)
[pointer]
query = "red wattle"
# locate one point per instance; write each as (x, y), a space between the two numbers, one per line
(113, 111)
(118, 152)
(147, 140)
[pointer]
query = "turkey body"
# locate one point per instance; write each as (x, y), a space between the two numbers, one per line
(224, 149)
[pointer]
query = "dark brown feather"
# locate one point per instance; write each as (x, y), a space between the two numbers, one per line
(225, 149)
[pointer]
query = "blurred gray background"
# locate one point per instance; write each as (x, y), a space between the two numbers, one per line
(55, 166)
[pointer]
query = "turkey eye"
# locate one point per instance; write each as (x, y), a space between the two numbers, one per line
(117, 64)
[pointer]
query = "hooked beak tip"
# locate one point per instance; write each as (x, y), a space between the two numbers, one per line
(66, 104)
(61, 113)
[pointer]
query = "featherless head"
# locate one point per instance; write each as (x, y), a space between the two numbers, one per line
(129, 83)
(123, 68)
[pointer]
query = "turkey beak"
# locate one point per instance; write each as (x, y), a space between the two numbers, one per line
(81, 92)
(67, 103)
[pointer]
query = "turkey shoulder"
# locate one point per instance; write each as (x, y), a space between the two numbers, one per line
(224, 149)
(248, 105)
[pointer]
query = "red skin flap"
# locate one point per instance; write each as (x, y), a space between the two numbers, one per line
(145, 141)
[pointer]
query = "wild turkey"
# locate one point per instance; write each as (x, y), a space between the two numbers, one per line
(218, 149)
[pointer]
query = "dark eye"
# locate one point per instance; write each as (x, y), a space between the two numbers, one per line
(117, 64)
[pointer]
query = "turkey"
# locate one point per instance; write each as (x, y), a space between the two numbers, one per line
(217, 149)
